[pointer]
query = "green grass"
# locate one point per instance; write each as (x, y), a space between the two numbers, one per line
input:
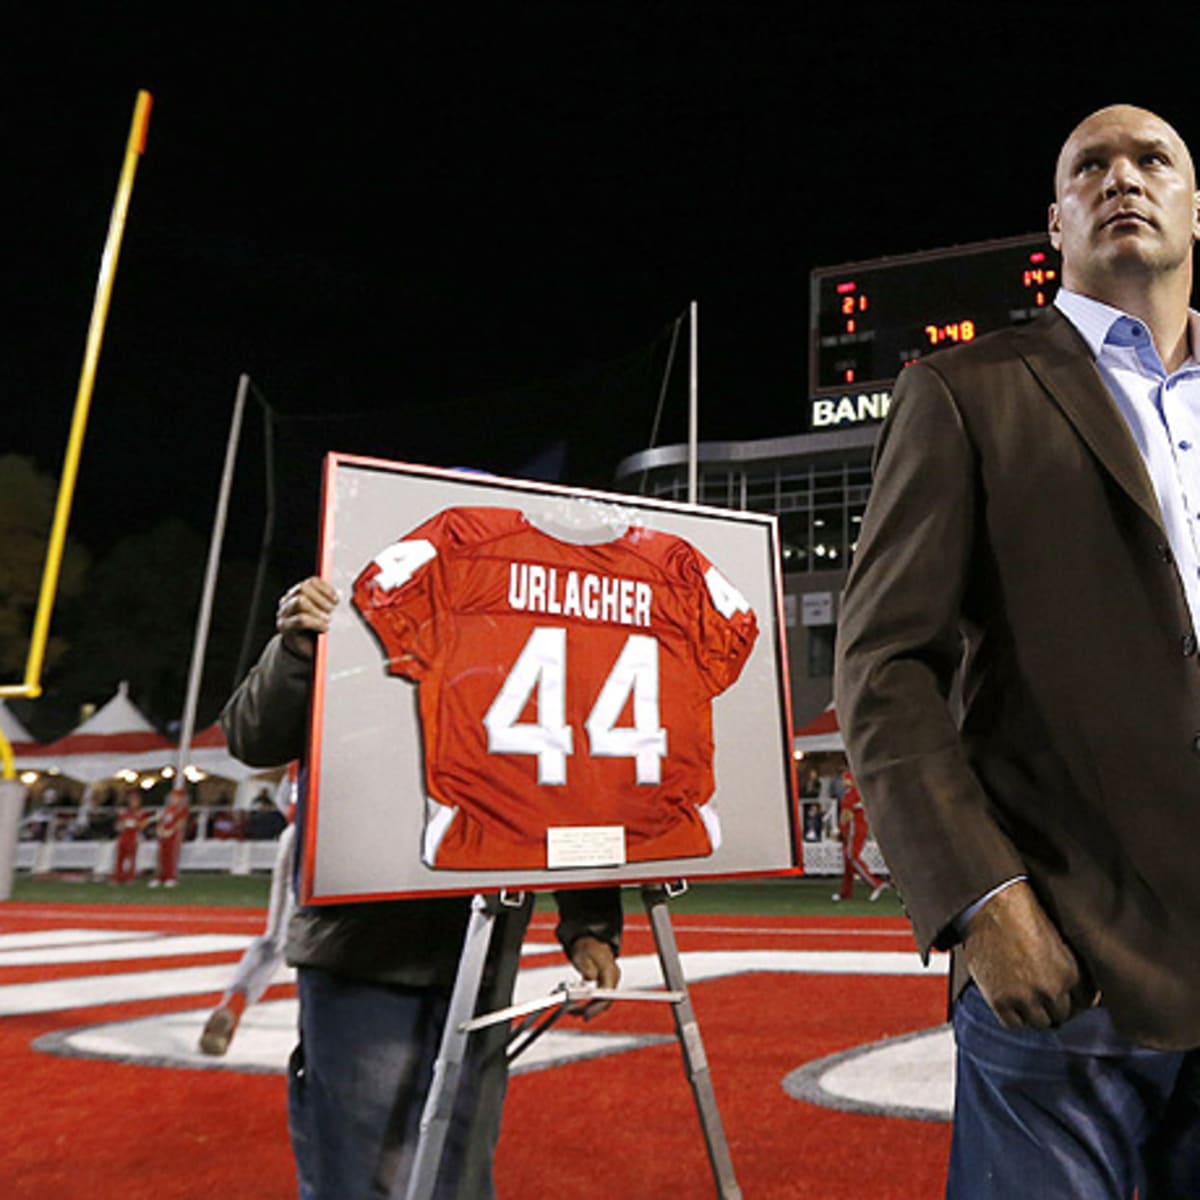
(804, 897)
(219, 889)
(783, 897)
(799, 897)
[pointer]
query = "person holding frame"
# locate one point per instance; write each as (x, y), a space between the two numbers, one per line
(374, 980)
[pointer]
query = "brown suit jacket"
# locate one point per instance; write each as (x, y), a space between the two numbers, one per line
(1013, 534)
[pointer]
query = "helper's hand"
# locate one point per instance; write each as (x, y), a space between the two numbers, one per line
(1024, 969)
(595, 961)
(304, 611)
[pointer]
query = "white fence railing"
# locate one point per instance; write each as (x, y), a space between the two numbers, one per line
(63, 838)
(240, 856)
(96, 858)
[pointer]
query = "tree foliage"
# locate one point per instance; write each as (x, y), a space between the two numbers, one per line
(27, 500)
(136, 621)
(128, 613)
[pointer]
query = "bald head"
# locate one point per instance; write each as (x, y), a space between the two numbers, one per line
(1096, 128)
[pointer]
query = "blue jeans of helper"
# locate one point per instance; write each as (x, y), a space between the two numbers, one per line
(357, 1084)
(1074, 1113)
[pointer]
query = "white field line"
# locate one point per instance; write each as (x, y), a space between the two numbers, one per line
(21, 999)
(125, 951)
(69, 937)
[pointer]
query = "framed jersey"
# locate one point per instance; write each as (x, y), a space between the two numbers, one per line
(527, 686)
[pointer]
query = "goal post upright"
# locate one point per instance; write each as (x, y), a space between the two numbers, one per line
(31, 687)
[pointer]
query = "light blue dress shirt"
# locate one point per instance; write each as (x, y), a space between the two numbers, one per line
(1163, 414)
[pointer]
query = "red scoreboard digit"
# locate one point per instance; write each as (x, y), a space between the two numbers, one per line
(867, 320)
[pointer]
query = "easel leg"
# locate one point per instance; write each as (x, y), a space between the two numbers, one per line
(443, 1089)
(688, 1031)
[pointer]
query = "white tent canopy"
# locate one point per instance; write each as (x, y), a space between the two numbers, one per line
(120, 715)
(210, 752)
(821, 734)
(118, 737)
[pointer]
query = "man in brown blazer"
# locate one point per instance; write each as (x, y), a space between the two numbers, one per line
(1033, 535)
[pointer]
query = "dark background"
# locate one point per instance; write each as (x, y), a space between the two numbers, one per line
(456, 236)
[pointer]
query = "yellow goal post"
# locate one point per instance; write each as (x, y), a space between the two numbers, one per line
(31, 687)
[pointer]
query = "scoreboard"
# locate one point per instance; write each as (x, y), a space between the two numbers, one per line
(870, 319)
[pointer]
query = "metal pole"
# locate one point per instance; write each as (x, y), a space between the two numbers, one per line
(693, 402)
(654, 896)
(443, 1088)
(188, 724)
(8, 769)
(268, 532)
(12, 809)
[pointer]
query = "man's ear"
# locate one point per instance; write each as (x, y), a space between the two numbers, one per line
(1196, 217)
(1054, 225)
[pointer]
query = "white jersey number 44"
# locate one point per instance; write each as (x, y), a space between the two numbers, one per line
(541, 668)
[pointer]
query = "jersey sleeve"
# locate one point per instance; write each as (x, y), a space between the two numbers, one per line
(401, 591)
(726, 627)
(395, 594)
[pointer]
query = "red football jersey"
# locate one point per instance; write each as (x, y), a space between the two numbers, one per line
(131, 820)
(173, 818)
(561, 685)
(851, 798)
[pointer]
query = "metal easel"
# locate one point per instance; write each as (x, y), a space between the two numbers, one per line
(538, 1015)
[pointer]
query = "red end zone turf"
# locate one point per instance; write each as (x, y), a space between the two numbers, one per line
(621, 1127)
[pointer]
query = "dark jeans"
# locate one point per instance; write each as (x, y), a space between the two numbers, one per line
(1074, 1113)
(357, 1084)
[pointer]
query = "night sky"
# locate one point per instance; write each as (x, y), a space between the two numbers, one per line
(437, 232)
